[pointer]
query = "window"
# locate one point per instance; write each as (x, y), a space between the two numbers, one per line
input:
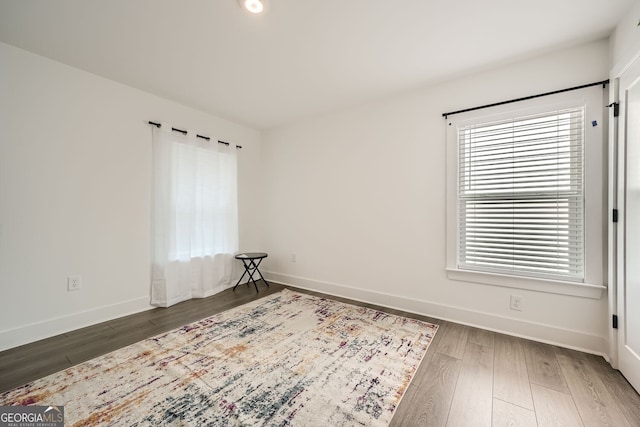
(520, 196)
(194, 217)
(525, 200)
(203, 198)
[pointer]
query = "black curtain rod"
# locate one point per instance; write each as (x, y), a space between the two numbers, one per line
(227, 144)
(603, 83)
(184, 132)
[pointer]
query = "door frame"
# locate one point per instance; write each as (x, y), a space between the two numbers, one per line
(613, 261)
(616, 200)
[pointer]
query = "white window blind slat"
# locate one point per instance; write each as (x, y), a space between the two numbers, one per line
(521, 196)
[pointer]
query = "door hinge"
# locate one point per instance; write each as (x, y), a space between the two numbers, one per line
(615, 321)
(616, 108)
(615, 215)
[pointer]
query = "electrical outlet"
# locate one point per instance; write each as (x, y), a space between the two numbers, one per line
(516, 303)
(74, 283)
(293, 257)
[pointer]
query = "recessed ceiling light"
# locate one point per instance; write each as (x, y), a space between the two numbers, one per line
(254, 7)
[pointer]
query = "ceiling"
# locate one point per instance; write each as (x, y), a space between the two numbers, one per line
(302, 57)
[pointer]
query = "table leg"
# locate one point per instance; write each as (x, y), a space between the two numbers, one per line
(265, 282)
(241, 277)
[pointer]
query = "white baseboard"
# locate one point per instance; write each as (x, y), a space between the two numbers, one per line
(549, 334)
(39, 330)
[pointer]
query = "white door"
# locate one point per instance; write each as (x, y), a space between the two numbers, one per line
(629, 278)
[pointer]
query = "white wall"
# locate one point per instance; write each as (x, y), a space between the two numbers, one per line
(625, 40)
(359, 197)
(75, 175)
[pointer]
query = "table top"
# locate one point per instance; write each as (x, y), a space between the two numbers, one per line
(251, 255)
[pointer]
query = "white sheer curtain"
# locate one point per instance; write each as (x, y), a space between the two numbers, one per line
(195, 217)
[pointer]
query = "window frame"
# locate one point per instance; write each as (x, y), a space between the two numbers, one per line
(595, 211)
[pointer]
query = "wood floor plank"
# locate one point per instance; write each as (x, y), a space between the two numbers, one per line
(454, 342)
(511, 378)
(428, 404)
(116, 339)
(32, 350)
(481, 336)
(421, 373)
(411, 411)
(440, 334)
(21, 372)
(594, 402)
(569, 352)
(82, 334)
(543, 367)
(554, 408)
(626, 397)
(508, 415)
(472, 399)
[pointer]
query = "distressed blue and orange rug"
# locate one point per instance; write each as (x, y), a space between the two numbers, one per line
(283, 360)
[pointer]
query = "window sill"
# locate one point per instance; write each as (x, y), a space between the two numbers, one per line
(554, 287)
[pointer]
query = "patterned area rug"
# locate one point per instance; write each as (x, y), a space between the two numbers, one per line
(286, 359)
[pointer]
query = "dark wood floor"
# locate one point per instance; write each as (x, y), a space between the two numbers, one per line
(469, 377)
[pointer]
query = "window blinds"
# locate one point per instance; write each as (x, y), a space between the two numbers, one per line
(520, 196)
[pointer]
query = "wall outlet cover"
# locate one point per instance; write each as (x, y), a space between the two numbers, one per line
(74, 283)
(516, 303)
